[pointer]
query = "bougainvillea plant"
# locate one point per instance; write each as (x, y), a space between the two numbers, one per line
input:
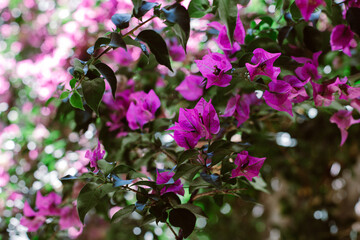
(176, 94)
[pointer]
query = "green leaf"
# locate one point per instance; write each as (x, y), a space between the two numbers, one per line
(101, 42)
(93, 91)
(109, 75)
(259, 184)
(147, 219)
(123, 169)
(193, 208)
(142, 7)
(228, 13)
(117, 41)
(295, 12)
(90, 196)
(178, 14)
(198, 8)
(137, 4)
(157, 46)
(186, 155)
(75, 100)
(183, 218)
(186, 169)
(122, 213)
(105, 166)
(64, 95)
(73, 83)
(121, 21)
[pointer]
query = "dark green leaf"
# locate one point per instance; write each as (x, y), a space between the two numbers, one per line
(198, 183)
(186, 169)
(75, 100)
(198, 8)
(109, 74)
(122, 213)
(137, 4)
(90, 196)
(178, 15)
(284, 33)
(83, 176)
(93, 91)
(193, 208)
(157, 46)
(314, 39)
(186, 155)
(101, 42)
(122, 169)
(141, 10)
(216, 144)
(228, 13)
(265, 43)
(295, 12)
(184, 219)
(142, 195)
(353, 18)
(213, 179)
(121, 21)
(117, 41)
(105, 166)
(148, 219)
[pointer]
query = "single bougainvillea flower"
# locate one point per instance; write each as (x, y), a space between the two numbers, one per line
(309, 69)
(31, 219)
(298, 93)
(247, 166)
(213, 67)
(343, 119)
(95, 156)
(142, 108)
(49, 204)
(239, 107)
(342, 39)
(69, 219)
(208, 117)
(279, 96)
(193, 124)
(46, 205)
(171, 185)
(307, 7)
(191, 88)
(223, 39)
(263, 64)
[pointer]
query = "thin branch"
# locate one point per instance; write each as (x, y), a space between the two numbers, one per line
(216, 192)
(168, 155)
(169, 226)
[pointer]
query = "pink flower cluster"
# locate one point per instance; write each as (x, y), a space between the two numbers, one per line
(49, 206)
(142, 108)
(193, 124)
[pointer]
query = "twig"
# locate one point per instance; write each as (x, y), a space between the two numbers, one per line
(216, 192)
(169, 226)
